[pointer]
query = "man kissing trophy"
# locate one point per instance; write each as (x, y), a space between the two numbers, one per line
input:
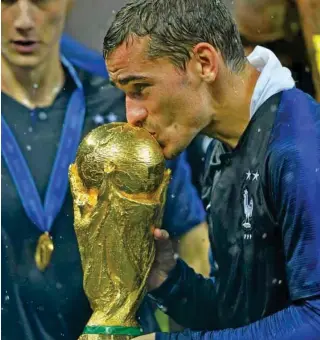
(119, 184)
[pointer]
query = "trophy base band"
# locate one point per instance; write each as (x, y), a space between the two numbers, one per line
(104, 337)
(110, 333)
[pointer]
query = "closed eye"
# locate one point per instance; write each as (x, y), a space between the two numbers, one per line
(138, 90)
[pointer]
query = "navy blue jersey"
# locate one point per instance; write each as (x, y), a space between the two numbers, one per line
(52, 304)
(263, 202)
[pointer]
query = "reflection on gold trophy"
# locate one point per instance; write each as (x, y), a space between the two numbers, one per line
(119, 185)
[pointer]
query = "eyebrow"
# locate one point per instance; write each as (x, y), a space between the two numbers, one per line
(127, 80)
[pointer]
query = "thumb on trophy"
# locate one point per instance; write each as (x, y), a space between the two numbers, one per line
(165, 259)
(160, 234)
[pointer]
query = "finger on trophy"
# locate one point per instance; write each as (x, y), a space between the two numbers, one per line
(160, 234)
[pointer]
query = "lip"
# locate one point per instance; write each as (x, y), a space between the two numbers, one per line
(25, 46)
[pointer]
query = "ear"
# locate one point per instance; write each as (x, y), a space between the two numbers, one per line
(207, 61)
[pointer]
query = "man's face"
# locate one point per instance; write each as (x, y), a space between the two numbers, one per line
(166, 101)
(31, 29)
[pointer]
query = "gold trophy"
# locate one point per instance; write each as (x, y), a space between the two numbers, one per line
(119, 184)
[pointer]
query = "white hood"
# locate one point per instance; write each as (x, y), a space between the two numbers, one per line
(273, 79)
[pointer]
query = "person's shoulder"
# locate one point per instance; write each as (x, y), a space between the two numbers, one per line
(296, 107)
(297, 119)
(102, 98)
(295, 137)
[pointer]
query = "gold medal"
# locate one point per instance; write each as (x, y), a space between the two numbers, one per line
(44, 251)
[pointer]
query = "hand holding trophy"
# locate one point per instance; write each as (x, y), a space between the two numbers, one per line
(119, 184)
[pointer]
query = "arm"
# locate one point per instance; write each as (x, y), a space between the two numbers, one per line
(188, 298)
(297, 322)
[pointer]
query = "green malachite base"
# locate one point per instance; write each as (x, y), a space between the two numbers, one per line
(113, 330)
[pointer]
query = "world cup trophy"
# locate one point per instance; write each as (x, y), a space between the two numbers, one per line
(119, 183)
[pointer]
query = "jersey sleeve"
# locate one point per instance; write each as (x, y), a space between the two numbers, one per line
(294, 169)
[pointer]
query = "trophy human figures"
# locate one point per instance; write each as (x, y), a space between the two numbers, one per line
(119, 184)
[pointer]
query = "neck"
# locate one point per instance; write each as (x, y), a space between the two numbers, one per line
(33, 87)
(231, 105)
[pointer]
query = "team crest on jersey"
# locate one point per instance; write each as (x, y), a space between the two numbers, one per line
(247, 208)
(252, 177)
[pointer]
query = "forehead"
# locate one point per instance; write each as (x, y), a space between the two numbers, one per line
(131, 58)
(48, 11)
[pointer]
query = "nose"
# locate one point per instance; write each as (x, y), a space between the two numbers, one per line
(24, 21)
(136, 113)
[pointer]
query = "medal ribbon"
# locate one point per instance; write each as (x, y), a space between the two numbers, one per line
(43, 216)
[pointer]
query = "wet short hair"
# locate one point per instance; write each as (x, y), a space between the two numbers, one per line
(175, 27)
